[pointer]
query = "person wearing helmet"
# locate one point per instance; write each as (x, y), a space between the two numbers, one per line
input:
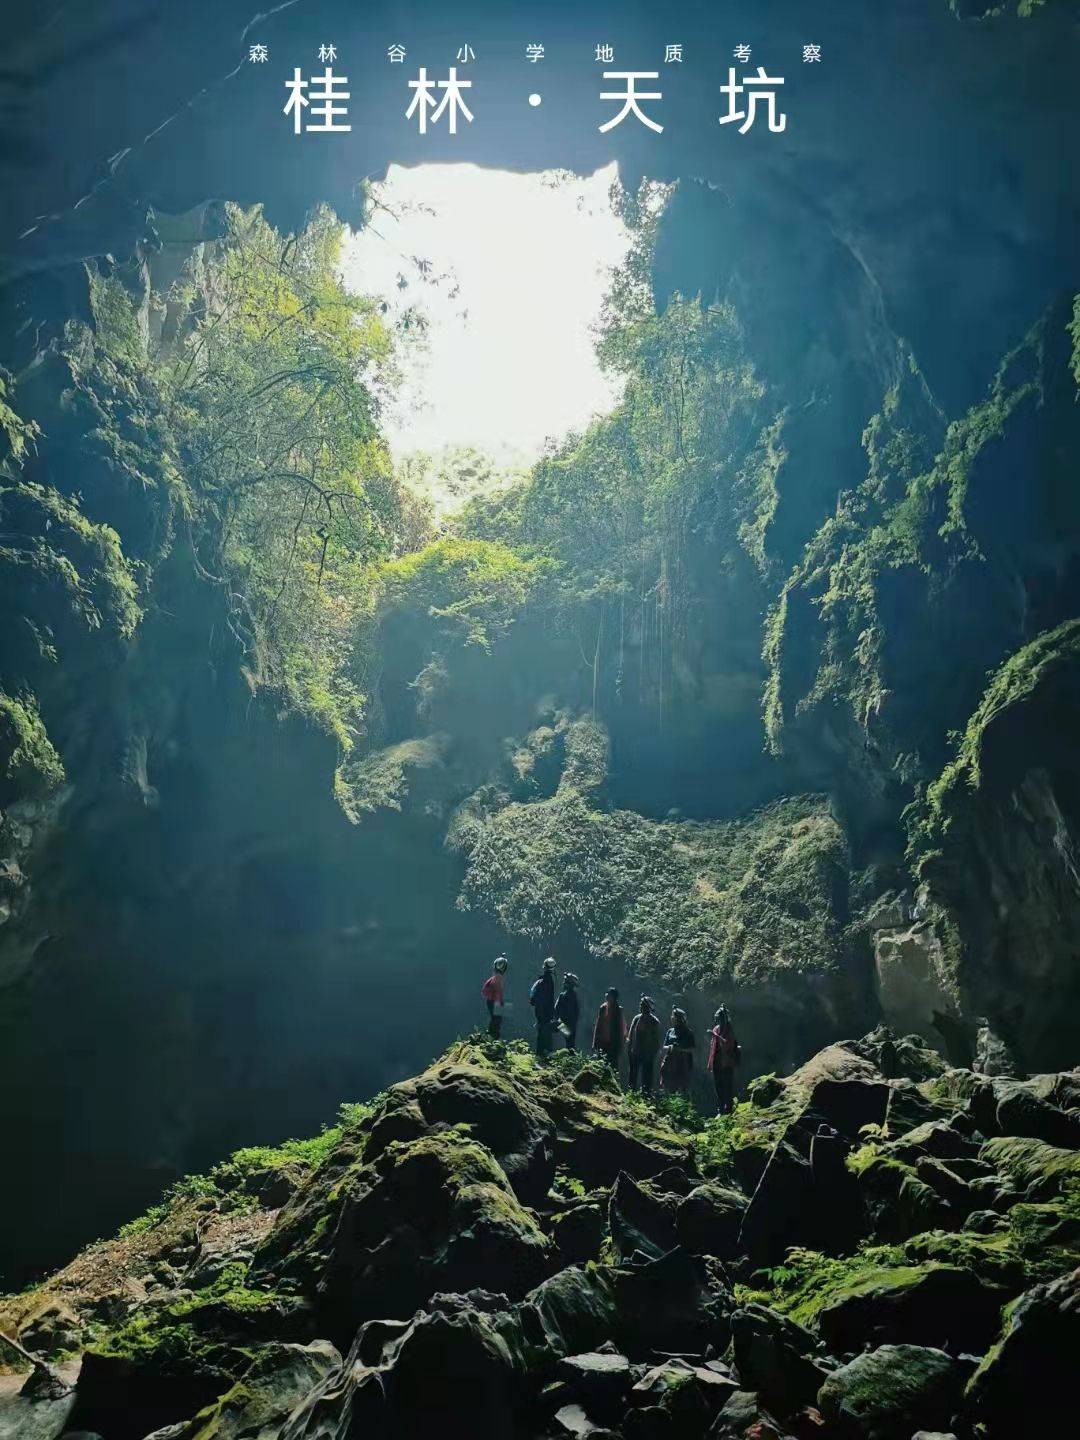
(678, 1063)
(609, 1032)
(568, 1009)
(494, 992)
(542, 999)
(724, 1056)
(643, 1046)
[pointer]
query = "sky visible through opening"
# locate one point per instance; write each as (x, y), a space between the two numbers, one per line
(509, 271)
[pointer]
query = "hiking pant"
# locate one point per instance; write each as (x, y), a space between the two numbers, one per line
(611, 1054)
(494, 1021)
(642, 1069)
(571, 1039)
(544, 1030)
(724, 1081)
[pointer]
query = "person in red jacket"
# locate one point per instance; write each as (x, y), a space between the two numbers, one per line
(494, 992)
(724, 1056)
(609, 1032)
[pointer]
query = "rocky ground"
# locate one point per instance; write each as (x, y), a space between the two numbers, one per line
(876, 1246)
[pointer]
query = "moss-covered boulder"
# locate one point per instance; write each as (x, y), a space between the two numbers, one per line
(461, 1371)
(278, 1379)
(378, 1238)
(573, 1311)
(931, 1303)
(889, 1393)
(1031, 1371)
(465, 1088)
(640, 1219)
(708, 1220)
(1032, 1164)
(776, 1357)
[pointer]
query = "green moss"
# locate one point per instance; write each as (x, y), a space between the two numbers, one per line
(703, 903)
(1030, 1162)
(28, 758)
(909, 530)
(155, 1340)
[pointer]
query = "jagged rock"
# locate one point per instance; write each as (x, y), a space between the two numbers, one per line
(938, 1138)
(933, 1304)
(776, 1357)
(125, 1398)
(597, 1148)
(675, 1180)
(744, 1418)
(400, 1119)
(709, 1219)
(689, 1396)
(572, 1420)
(887, 1393)
(848, 1105)
(898, 1203)
(24, 1415)
(1032, 1368)
(648, 1423)
(908, 1107)
(1020, 1112)
(956, 1193)
(600, 1381)
(640, 1220)
(499, 1112)
(279, 1378)
(782, 1206)
(375, 1337)
(465, 1364)
(431, 1214)
(838, 1216)
(670, 1304)
(572, 1312)
(993, 1055)
(52, 1329)
(1033, 1165)
(578, 1233)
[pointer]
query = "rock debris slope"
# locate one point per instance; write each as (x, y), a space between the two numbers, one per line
(876, 1246)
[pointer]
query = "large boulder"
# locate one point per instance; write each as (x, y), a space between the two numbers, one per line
(776, 1357)
(1031, 1371)
(579, 1232)
(709, 1219)
(434, 1213)
(781, 1210)
(35, 1411)
(683, 1399)
(744, 1417)
(934, 1304)
(279, 1378)
(674, 1303)
(597, 1380)
(597, 1140)
(640, 1220)
(465, 1365)
(888, 1393)
(466, 1089)
(1032, 1165)
(573, 1311)
(1020, 1111)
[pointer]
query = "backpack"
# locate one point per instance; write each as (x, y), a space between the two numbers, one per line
(534, 990)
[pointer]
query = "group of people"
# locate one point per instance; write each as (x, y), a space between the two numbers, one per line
(644, 1042)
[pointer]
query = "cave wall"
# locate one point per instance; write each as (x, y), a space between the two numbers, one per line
(193, 926)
